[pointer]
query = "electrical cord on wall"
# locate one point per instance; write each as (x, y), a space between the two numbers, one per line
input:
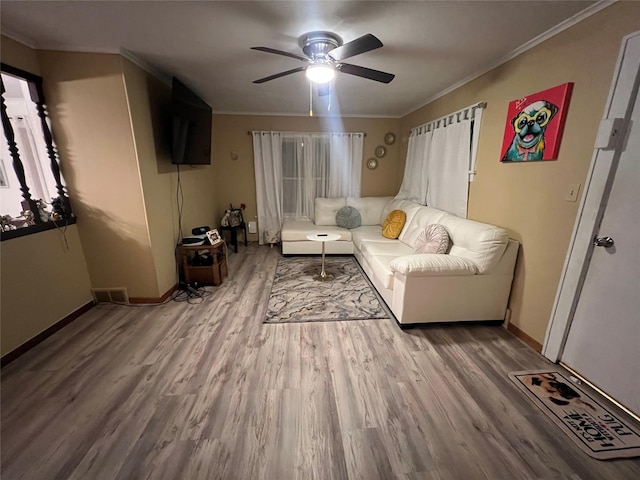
(179, 204)
(63, 232)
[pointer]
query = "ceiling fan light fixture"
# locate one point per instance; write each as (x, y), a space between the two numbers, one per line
(320, 73)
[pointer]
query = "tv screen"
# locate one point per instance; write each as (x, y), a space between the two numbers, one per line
(191, 124)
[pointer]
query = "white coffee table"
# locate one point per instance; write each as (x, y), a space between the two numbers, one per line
(323, 237)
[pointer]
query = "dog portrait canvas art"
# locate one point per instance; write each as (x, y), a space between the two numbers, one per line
(534, 125)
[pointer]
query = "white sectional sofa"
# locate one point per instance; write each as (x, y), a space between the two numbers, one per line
(470, 282)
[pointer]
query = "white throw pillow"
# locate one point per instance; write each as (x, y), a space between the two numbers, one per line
(433, 239)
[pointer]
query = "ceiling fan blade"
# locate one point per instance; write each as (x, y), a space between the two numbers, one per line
(364, 72)
(355, 47)
(281, 74)
(280, 52)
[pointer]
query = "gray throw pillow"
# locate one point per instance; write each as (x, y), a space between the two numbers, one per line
(348, 217)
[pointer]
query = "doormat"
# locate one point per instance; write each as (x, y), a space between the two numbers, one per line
(598, 431)
(297, 297)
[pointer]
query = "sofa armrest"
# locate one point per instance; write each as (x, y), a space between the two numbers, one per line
(433, 265)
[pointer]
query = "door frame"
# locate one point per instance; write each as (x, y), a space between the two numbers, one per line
(590, 213)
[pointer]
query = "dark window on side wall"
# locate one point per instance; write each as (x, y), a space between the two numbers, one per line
(33, 197)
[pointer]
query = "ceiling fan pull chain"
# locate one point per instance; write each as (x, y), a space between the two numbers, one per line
(311, 99)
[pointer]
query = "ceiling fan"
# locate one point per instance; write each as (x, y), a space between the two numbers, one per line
(324, 52)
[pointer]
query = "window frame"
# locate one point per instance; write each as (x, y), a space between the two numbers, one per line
(37, 96)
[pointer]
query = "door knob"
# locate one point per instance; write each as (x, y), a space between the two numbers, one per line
(606, 242)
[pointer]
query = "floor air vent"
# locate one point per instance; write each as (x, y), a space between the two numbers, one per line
(107, 295)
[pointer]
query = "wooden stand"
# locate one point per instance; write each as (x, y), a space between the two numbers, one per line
(234, 234)
(206, 274)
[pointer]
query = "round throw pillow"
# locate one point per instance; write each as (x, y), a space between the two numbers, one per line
(393, 224)
(433, 239)
(348, 217)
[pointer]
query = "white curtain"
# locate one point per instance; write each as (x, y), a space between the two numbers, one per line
(345, 165)
(267, 158)
(448, 168)
(441, 161)
(293, 169)
(415, 180)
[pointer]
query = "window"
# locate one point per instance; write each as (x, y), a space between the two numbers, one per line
(33, 196)
(293, 168)
(315, 165)
(304, 175)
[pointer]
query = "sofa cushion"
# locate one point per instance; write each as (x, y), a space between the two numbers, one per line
(326, 210)
(430, 265)
(381, 270)
(368, 232)
(378, 253)
(433, 239)
(348, 217)
(421, 219)
(479, 242)
(373, 248)
(297, 231)
(370, 208)
(393, 224)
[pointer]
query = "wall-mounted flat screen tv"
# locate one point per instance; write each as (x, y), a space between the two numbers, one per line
(192, 120)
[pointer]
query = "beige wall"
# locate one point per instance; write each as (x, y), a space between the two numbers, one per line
(149, 103)
(42, 281)
(529, 199)
(235, 181)
(19, 56)
(89, 112)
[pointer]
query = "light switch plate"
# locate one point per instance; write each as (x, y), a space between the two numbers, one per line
(572, 192)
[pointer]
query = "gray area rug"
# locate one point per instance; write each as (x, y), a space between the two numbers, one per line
(296, 297)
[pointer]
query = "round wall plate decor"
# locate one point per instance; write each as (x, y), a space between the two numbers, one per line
(390, 138)
(380, 151)
(372, 163)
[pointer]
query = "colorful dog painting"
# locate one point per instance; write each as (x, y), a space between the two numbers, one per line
(529, 127)
(534, 125)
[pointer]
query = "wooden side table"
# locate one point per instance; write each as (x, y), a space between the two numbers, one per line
(204, 274)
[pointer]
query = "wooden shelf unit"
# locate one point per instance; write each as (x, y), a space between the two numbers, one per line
(204, 274)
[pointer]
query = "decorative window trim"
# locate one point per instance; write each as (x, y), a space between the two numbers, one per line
(62, 214)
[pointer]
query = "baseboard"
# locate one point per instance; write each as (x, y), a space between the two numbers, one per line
(533, 343)
(29, 344)
(145, 300)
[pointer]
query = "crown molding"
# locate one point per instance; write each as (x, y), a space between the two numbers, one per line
(166, 79)
(18, 38)
(561, 27)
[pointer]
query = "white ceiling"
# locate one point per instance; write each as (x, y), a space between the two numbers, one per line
(430, 46)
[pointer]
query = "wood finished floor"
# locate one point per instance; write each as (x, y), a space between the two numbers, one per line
(207, 391)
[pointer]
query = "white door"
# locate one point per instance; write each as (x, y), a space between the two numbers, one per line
(603, 343)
